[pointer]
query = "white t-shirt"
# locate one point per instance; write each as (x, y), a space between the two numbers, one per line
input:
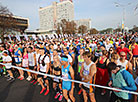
(69, 58)
(55, 46)
(108, 46)
(31, 59)
(93, 46)
(7, 58)
(46, 60)
(37, 57)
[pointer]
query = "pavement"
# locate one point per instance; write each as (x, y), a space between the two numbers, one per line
(24, 91)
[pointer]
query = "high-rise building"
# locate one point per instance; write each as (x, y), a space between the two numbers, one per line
(85, 22)
(49, 16)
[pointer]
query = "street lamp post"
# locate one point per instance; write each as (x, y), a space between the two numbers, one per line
(123, 18)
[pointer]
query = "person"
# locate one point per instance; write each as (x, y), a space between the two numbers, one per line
(102, 76)
(31, 63)
(80, 60)
(87, 73)
(18, 61)
(136, 81)
(67, 73)
(37, 54)
(108, 44)
(8, 60)
(121, 79)
(43, 67)
(57, 82)
(97, 52)
(25, 62)
(134, 49)
(125, 63)
(110, 52)
(93, 45)
(80, 64)
(1, 60)
(66, 53)
(114, 57)
(122, 48)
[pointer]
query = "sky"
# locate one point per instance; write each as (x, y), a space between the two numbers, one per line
(103, 13)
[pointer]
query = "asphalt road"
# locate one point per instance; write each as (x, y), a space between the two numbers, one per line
(24, 91)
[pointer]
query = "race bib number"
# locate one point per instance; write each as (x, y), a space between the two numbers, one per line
(85, 72)
(65, 76)
(56, 80)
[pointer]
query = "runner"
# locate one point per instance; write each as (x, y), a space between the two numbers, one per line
(18, 61)
(122, 48)
(88, 72)
(25, 62)
(67, 73)
(125, 63)
(31, 64)
(57, 82)
(80, 64)
(8, 60)
(43, 67)
(121, 79)
(102, 76)
(134, 49)
(66, 53)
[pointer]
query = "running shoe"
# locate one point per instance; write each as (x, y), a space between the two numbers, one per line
(28, 78)
(32, 81)
(103, 92)
(69, 100)
(35, 83)
(21, 78)
(4, 73)
(42, 90)
(61, 97)
(6, 76)
(10, 79)
(58, 94)
(13, 79)
(47, 91)
(80, 92)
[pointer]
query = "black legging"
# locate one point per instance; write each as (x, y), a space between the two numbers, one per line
(115, 98)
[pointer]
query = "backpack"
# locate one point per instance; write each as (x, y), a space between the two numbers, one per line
(43, 63)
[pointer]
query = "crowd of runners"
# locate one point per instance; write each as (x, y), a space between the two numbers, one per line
(107, 60)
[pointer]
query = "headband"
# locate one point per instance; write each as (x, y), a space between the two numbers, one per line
(64, 59)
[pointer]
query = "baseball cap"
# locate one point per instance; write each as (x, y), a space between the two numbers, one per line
(122, 42)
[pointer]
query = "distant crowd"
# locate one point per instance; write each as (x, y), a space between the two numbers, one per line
(106, 60)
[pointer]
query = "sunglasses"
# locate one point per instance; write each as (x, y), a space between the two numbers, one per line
(122, 55)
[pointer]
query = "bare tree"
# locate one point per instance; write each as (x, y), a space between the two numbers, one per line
(7, 21)
(82, 29)
(94, 31)
(67, 27)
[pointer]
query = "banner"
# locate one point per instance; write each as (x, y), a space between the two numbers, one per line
(44, 36)
(40, 37)
(26, 37)
(34, 36)
(18, 37)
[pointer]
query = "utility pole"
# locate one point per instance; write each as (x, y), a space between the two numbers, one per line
(123, 18)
